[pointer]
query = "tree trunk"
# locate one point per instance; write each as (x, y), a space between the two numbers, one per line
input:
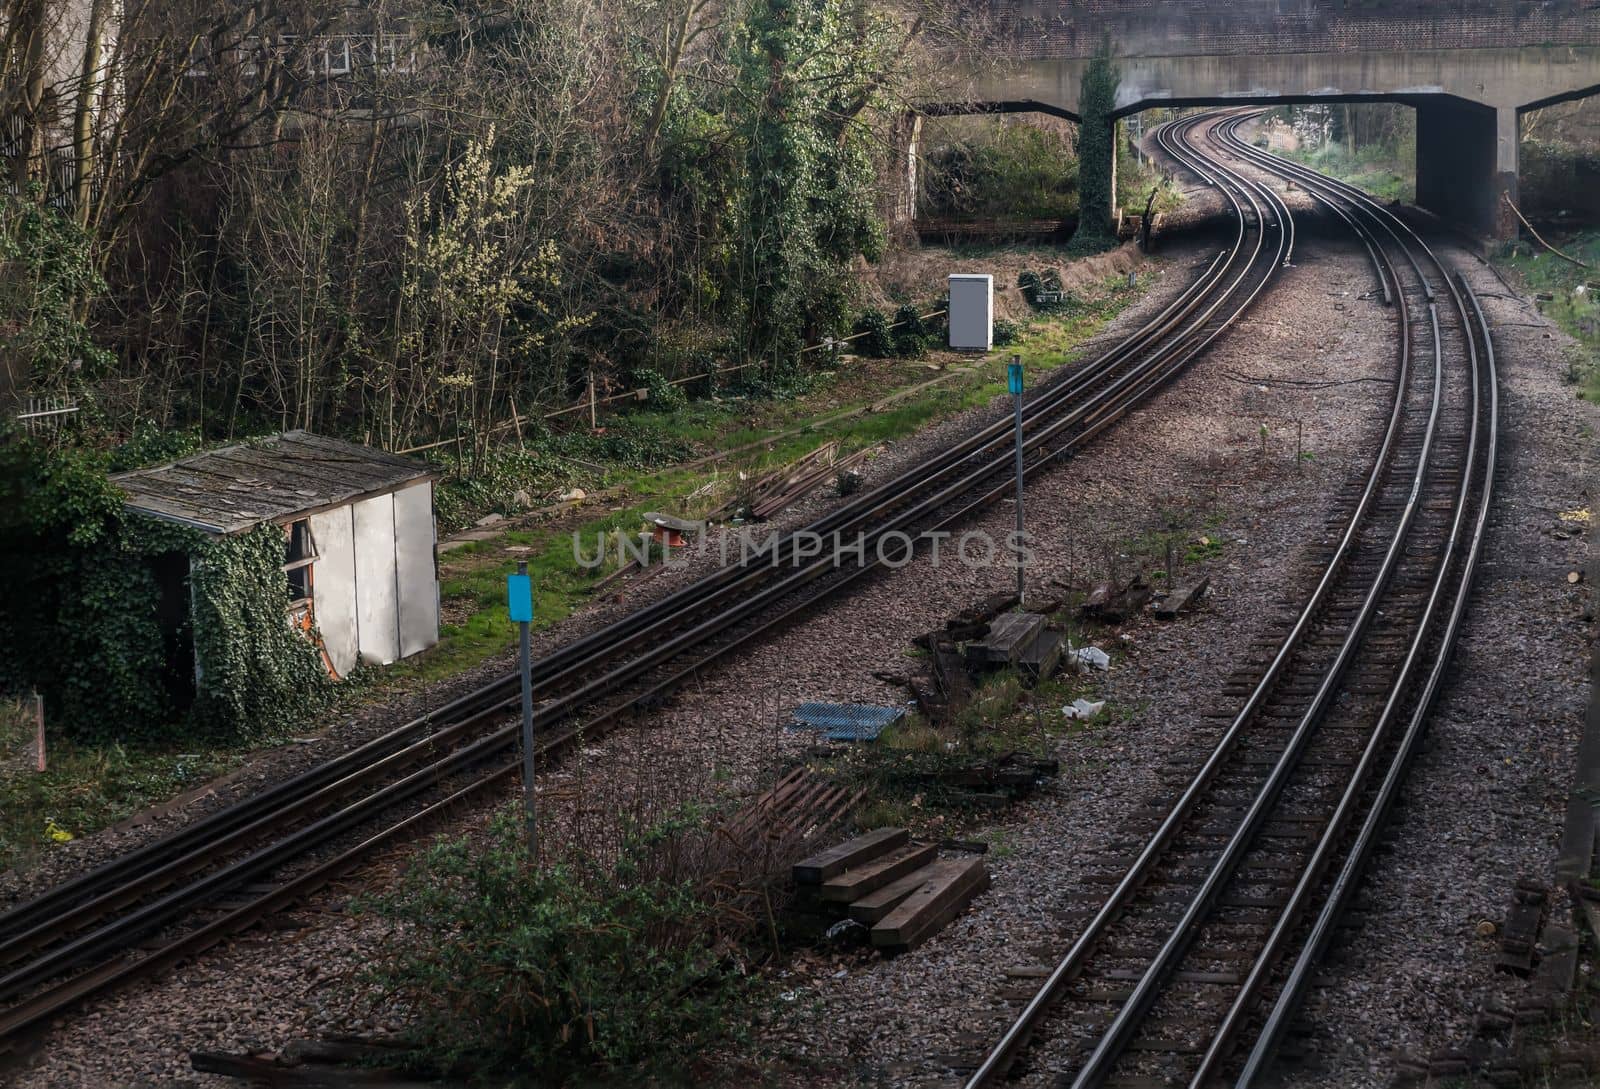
(83, 113)
(30, 39)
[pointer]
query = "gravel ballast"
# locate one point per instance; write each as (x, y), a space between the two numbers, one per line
(1484, 801)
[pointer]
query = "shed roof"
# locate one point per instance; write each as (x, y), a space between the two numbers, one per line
(233, 488)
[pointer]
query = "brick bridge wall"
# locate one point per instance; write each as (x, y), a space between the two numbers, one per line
(1063, 29)
(1469, 67)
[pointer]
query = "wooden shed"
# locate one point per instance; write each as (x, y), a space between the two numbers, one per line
(359, 562)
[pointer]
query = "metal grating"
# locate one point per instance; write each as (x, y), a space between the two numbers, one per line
(846, 721)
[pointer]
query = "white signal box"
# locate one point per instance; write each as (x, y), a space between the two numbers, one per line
(971, 312)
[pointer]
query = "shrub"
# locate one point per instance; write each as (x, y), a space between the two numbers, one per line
(152, 444)
(1033, 283)
(1006, 332)
(1015, 170)
(873, 336)
(911, 333)
(630, 444)
(508, 967)
(1030, 285)
(664, 396)
(779, 382)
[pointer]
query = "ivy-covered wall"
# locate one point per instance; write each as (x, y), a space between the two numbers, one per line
(1096, 153)
(80, 612)
(257, 673)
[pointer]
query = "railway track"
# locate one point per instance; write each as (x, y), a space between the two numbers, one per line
(223, 873)
(1190, 971)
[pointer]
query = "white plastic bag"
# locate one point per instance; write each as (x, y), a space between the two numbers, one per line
(1091, 657)
(1082, 709)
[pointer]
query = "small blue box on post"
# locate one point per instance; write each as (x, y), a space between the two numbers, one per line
(1014, 377)
(519, 598)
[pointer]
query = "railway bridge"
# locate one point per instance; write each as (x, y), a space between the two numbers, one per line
(1468, 67)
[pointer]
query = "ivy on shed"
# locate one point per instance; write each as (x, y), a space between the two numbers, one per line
(256, 672)
(83, 612)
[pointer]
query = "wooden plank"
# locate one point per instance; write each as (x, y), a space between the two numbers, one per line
(1223, 979)
(1521, 929)
(1181, 601)
(875, 905)
(858, 881)
(1590, 909)
(951, 677)
(856, 852)
(264, 1072)
(944, 916)
(1011, 632)
(1008, 634)
(1040, 658)
(1119, 604)
(1558, 965)
(926, 911)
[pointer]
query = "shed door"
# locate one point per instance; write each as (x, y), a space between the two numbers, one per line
(377, 618)
(333, 586)
(415, 575)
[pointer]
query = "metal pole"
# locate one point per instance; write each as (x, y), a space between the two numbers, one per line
(38, 714)
(527, 725)
(1016, 387)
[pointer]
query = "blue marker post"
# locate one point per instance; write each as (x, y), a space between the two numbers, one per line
(1014, 381)
(519, 603)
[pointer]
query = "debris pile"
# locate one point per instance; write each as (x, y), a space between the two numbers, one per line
(770, 494)
(899, 890)
(1110, 604)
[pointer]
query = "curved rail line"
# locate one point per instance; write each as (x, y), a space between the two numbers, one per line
(326, 821)
(1343, 700)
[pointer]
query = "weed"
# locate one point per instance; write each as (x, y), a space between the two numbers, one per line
(511, 966)
(86, 787)
(1572, 302)
(1203, 548)
(914, 734)
(1372, 168)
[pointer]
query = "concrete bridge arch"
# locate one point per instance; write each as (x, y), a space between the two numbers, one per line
(1470, 68)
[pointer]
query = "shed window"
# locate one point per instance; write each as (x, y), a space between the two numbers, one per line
(336, 56)
(300, 554)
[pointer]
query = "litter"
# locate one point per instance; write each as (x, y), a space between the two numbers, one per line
(846, 721)
(1090, 657)
(1082, 709)
(842, 929)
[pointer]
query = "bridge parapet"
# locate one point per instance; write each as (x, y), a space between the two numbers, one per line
(1469, 67)
(1071, 29)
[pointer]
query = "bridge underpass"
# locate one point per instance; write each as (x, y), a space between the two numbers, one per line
(1468, 68)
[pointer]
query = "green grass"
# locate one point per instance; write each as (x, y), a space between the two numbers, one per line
(1005, 716)
(1372, 169)
(1578, 313)
(472, 590)
(86, 788)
